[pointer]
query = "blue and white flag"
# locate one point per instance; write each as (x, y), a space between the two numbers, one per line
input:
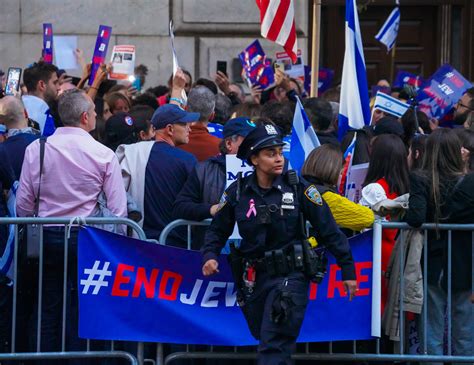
(389, 31)
(390, 105)
(354, 109)
(303, 138)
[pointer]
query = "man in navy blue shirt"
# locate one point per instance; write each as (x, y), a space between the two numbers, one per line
(12, 114)
(167, 170)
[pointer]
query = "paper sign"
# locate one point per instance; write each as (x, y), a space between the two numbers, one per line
(123, 62)
(47, 43)
(257, 67)
(233, 166)
(295, 70)
(355, 179)
(100, 51)
(441, 92)
(175, 58)
(64, 47)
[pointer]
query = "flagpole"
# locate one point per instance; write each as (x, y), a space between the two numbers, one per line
(392, 64)
(315, 48)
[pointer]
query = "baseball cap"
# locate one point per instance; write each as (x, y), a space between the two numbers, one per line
(240, 126)
(119, 129)
(259, 138)
(388, 125)
(170, 114)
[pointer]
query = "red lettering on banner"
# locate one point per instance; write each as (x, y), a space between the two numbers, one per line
(176, 282)
(142, 280)
(362, 278)
(313, 291)
(120, 279)
(334, 283)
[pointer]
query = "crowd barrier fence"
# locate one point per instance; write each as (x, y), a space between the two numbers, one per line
(63, 354)
(400, 351)
(331, 350)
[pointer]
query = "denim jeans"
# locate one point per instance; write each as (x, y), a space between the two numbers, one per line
(462, 321)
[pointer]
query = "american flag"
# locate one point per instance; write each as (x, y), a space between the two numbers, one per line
(277, 19)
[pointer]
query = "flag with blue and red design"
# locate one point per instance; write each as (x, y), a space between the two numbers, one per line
(100, 50)
(348, 158)
(47, 43)
(326, 75)
(406, 78)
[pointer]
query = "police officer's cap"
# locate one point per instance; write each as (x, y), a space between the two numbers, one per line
(263, 136)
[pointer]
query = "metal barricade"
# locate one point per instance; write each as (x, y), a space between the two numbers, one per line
(12, 288)
(376, 354)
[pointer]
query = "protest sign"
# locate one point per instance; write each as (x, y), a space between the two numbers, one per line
(140, 291)
(355, 179)
(257, 67)
(47, 52)
(295, 70)
(123, 62)
(233, 166)
(441, 92)
(184, 97)
(64, 47)
(406, 78)
(326, 76)
(100, 50)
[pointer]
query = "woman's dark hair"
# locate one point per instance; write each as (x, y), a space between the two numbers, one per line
(442, 162)
(409, 124)
(362, 147)
(324, 163)
(467, 141)
(389, 160)
(248, 110)
(280, 113)
(146, 98)
(417, 146)
(141, 115)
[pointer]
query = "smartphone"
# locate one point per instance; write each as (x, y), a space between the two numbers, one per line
(13, 80)
(278, 66)
(137, 84)
(222, 67)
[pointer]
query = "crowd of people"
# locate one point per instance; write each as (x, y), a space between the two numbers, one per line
(155, 156)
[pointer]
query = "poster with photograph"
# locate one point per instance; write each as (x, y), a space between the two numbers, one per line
(123, 62)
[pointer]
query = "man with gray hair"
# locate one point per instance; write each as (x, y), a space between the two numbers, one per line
(20, 135)
(201, 143)
(76, 169)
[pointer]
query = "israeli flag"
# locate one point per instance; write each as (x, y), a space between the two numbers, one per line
(389, 31)
(390, 105)
(354, 109)
(303, 138)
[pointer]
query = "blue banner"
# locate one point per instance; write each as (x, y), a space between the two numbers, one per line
(326, 76)
(406, 78)
(140, 291)
(441, 92)
(100, 50)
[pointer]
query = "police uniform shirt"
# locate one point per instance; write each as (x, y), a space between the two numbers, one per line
(283, 226)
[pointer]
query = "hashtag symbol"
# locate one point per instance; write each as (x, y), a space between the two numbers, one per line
(91, 275)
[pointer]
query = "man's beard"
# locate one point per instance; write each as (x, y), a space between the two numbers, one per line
(461, 118)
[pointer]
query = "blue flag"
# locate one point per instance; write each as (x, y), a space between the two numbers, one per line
(387, 35)
(303, 138)
(354, 109)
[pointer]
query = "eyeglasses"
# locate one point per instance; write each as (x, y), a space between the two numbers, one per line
(464, 106)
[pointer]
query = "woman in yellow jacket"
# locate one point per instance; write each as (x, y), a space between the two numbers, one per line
(322, 168)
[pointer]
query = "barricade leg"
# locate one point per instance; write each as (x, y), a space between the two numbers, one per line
(436, 309)
(463, 323)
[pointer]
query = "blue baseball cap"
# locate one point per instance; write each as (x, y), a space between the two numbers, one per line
(171, 114)
(238, 126)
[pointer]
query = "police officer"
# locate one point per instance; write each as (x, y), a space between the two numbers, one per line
(269, 207)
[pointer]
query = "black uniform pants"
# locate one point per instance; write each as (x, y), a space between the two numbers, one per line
(273, 296)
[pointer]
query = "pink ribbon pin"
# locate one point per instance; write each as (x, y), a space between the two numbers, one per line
(251, 209)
